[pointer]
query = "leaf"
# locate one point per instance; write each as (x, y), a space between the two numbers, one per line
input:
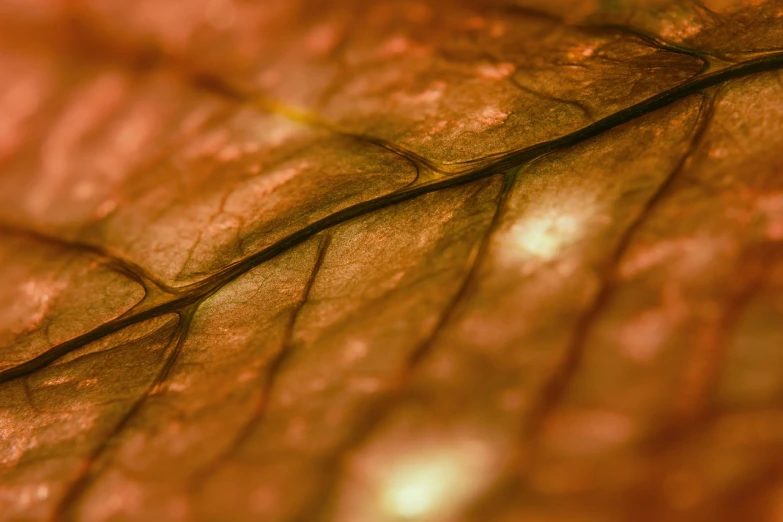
(391, 261)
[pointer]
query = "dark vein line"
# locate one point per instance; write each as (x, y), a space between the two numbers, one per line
(654, 41)
(502, 162)
(707, 57)
(119, 264)
(66, 510)
(425, 347)
(580, 106)
(558, 383)
(269, 377)
(707, 357)
(693, 411)
(323, 499)
(219, 87)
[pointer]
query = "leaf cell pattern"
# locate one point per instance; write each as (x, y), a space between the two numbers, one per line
(402, 260)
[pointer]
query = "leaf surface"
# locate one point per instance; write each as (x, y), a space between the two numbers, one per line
(391, 261)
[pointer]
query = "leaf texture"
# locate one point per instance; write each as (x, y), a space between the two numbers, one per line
(350, 261)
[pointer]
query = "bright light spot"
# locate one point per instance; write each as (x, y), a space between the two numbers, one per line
(428, 478)
(491, 116)
(428, 96)
(499, 71)
(410, 500)
(420, 489)
(42, 492)
(355, 349)
(544, 236)
(34, 299)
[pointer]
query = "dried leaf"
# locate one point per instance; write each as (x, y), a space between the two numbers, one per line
(289, 260)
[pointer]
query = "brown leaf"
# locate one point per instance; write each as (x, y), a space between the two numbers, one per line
(352, 261)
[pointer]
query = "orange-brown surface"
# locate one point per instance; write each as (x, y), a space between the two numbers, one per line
(351, 261)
